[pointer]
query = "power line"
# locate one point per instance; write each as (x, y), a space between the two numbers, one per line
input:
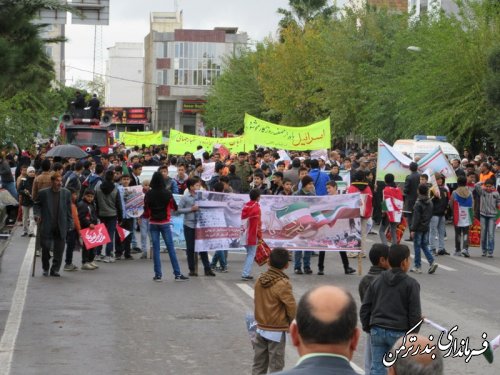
(114, 77)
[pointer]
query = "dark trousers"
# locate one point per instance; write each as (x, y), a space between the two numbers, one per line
(459, 232)
(189, 235)
(123, 248)
(57, 244)
(71, 238)
(321, 260)
(110, 223)
(88, 256)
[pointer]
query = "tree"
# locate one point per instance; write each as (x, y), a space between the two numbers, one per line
(304, 11)
(236, 92)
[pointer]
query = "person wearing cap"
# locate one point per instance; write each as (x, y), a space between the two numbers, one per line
(244, 171)
(25, 188)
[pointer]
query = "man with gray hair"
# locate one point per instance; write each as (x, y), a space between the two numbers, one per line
(419, 364)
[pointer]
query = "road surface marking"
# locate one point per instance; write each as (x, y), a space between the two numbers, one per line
(248, 290)
(441, 266)
(470, 261)
(9, 337)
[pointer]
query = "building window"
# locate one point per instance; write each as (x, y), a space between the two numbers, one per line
(48, 51)
(196, 63)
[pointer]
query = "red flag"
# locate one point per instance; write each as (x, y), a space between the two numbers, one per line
(122, 232)
(95, 237)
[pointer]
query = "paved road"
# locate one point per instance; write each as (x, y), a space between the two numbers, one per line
(116, 320)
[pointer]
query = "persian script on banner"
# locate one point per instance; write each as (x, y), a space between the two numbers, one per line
(95, 237)
(141, 138)
(313, 137)
(330, 223)
(134, 201)
(179, 143)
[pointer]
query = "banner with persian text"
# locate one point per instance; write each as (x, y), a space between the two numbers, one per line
(141, 138)
(313, 137)
(179, 143)
(330, 223)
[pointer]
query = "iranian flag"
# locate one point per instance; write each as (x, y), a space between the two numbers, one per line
(330, 217)
(122, 232)
(392, 204)
(297, 213)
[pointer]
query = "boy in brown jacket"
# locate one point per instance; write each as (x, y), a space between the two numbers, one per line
(275, 309)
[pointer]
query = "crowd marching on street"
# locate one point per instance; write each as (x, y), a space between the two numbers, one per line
(59, 197)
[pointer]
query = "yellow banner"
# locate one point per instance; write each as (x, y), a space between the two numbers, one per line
(141, 138)
(180, 142)
(313, 137)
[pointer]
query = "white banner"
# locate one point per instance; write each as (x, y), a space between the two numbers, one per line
(330, 223)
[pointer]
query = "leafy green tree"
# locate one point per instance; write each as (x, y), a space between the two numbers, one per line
(304, 11)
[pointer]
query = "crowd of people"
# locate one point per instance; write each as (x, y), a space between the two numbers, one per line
(62, 196)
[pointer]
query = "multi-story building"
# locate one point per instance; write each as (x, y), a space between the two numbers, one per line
(180, 67)
(55, 51)
(417, 6)
(125, 75)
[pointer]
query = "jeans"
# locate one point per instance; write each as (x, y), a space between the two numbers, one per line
(71, 238)
(461, 232)
(247, 266)
(28, 220)
(487, 234)
(219, 256)
(133, 239)
(110, 223)
(144, 234)
(383, 226)
(298, 256)
(437, 228)
(164, 230)
(382, 340)
(189, 235)
(421, 242)
(368, 354)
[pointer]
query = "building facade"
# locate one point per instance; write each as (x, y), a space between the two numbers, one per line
(417, 6)
(55, 51)
(125, 75)
(183, 64)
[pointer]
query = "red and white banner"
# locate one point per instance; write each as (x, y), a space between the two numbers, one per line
(95, 237)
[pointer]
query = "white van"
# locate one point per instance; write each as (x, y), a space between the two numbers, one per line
(421, 145)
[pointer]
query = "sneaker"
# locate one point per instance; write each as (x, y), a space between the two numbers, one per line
(88, 267)
(118, 257)
(246, 278)
(321, 273)
(194, 274)
(416, 270)
(129, 258)
(25, 234)
(46, 273)
(222, 270)
(352, 255)
(144, 255)
(181, 278)
(443, 252)
(157, 279)
(93, 264)
(308, 271)
(490, 255)
(298, 271)
(100, 258)
(457, 254)
(484, 253)
(434, 252)
(136, 250)
(108, 260)
(465, 253)
(432, 268)
(349, 271)
(70, 267)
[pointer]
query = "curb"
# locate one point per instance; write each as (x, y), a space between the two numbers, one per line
(4, 244)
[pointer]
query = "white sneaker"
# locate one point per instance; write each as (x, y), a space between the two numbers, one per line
(433, 268)
(416, 270)
(88, 267)
(93, 264)
(108, 260)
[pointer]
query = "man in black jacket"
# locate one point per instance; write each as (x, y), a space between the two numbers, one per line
(410, 192)
(419, 227)
(391, 307)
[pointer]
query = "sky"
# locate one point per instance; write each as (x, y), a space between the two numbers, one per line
(129, 22)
